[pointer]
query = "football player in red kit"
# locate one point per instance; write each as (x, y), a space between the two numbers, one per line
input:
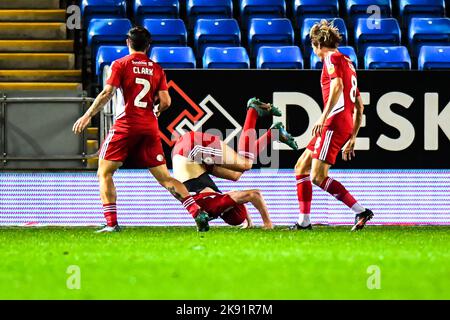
(336, 129)
(134, 136)
(197, 155)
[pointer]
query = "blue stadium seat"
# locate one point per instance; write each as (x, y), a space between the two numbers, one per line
(166, 32)
(107, 54)
(159, 9)
(269, 32)
(376, 32)
(107, 32)
(316, 63)
(307, 25)
(428, 31)
(226, 58)
(208, 9)
(216, 33)
(387, 58)
(434, 58)
(359, 9)
(420, 9)
(91, 9)
(319, 9)
(261, 9)
(284, 57)
(174, 57)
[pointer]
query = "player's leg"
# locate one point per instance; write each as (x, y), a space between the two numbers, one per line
(232, 161)
(325, 156)
(256, 198)
(304, 190)
(179, 191)
(108, 193)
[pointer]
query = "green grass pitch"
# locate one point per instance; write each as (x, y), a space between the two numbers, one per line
(226, 263)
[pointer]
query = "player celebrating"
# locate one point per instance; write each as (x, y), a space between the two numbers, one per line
(135, 135)
(196, 155)
(335, 129)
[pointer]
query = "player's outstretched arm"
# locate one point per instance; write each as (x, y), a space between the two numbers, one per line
(348, 151)
(256, 198)
(99, 103)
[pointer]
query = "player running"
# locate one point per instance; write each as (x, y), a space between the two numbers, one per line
(336, 129)
(196, 155)
(134, 136)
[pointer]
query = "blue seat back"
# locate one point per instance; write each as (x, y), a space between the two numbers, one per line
(321, 9)
(308, 23)
(283, 57)
(216, 33)
(166, 32)
(98, 9)
(428, 31)
(226, 58)
(360, 9)
(208, 9)
(434, 58)
(387, 58)
(107, 54)
(316, 63)
(151, 9)
(269, 32)
(174, 57)
(376, 32)
(261, 9)
(107, 32)
(420, 9)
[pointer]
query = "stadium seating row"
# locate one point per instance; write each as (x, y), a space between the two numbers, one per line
(271, 32)
(394, 57)
(301, 9)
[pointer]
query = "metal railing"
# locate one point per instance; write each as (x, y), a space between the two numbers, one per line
(5, 100)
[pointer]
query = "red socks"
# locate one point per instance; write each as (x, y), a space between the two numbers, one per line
(336, 189)
(191, 206)
(110, 212)
(247, 139)
(304, 193)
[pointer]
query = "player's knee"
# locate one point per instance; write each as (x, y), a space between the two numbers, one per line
(247, 165)
(103, 174)
(317, 178)
(255, 194)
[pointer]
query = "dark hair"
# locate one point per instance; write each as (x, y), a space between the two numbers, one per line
(140, 38)
(325, 34)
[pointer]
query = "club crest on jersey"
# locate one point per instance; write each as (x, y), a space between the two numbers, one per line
(330, 68)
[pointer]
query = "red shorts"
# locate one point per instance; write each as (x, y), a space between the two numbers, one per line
(199, 147)
(221, 205)
(139, 149)
(327, 147)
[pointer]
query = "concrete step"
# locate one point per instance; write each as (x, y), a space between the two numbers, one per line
(29, 4)
(33, 15)
(92, 163)
(29, 86)
(36, 46)
(33, 30)
(34, 61)
(91, 146)
(92, 133)
(40, 75)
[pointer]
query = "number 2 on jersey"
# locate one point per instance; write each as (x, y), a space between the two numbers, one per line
(145, 90)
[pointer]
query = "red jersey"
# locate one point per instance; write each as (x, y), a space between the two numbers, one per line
(338, 65)
(139, 80)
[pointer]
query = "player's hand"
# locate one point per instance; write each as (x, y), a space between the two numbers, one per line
(348, 152)
(246, 225)
(318, 127)
(81, 124)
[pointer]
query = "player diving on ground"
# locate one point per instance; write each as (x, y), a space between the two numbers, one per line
(198, 155)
